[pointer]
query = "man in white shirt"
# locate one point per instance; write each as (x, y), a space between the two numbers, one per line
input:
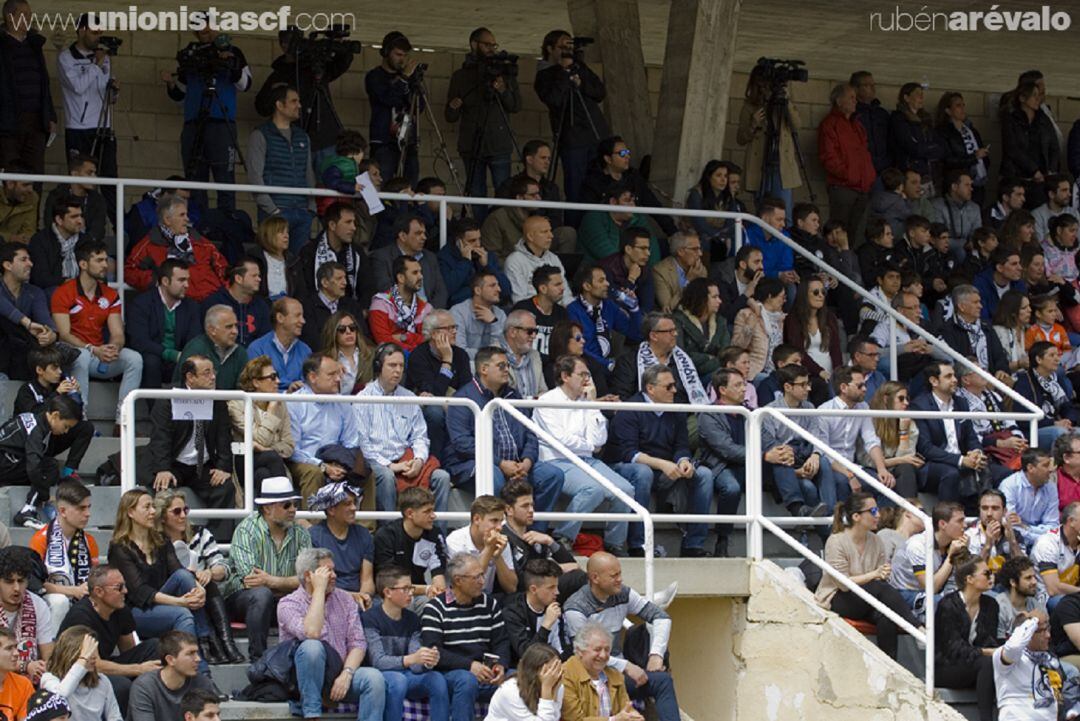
(844, 433)
(483, 539)
(583, 432)
(993, 537)
(1029, 679)
(1055, 555)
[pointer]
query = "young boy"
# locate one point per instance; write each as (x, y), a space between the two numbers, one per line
(69, 553)
(338, 172)
(393, 640)
(26, 456)
(941, 262)
(525, 544)
(414, 543)
(482, 538)
(50, 381)
(200, 705)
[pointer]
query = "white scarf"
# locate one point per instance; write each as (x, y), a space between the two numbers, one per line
(70, 267)
(683, 366)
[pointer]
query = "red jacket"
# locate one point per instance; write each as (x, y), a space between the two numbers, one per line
(844, 153)
(207, 272)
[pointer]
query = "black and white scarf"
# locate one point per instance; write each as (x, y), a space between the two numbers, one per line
(325, 254)
(181, 247)
(1053, 393)
(683, 366)
(406, 314)
(977, 338)
(596, 312)
(67, 563)
(70, 267)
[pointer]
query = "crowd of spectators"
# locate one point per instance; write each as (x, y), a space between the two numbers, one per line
(340, 298)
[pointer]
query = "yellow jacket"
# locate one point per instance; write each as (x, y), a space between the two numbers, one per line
(580, 702)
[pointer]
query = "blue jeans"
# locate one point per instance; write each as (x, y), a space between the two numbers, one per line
(401, 685)
(575, 166)
(728, 484)
(299, 220)
(792, 488)
(1049, 434)
(435, 419)
(386, 488)
(772, 185)
(477, 168)
(547, 482)
(368, 688)
(128, 365)
(465, 690)
(159, 619)
(586, 494)
(661, 687)
(699, 495)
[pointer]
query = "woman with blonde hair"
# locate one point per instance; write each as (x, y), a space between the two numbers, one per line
(198, 552)
(898, 436)
(271, 433)
(344, 340)
(72, 673)
(535, 692)
(162, 594)
(274, 257)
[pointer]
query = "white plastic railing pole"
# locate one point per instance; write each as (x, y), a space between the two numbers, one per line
(119, 228)
(738, 239)
(893, 350)
(1034, 443)
(485, 453)
(929, 625)
(443, 240)
(755, 543)
(127, 441)
(249, 455)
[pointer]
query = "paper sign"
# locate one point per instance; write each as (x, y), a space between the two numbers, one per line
(192, 409)
(369, 193)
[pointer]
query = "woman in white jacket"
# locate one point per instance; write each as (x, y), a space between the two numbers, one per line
(535, 693)
(72, 673)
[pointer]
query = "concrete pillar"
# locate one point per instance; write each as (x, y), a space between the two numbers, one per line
(694, 91)
(616, 26)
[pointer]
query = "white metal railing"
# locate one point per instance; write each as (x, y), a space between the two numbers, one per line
(444, 201)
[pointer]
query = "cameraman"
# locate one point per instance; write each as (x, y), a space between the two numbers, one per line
(389, 87)
(572, 92)
(286, 71)
(482, 82)
(213, 55)
(755, 125)
(85, 78)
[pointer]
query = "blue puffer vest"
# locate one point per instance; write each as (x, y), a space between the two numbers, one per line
(286, 163)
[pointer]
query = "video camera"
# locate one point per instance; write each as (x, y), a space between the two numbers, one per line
(578, 53)
(781, 72)
(315, 51)
(204, 59)
(501, 64)
(111, 44)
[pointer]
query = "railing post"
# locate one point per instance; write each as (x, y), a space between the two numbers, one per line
(893, 351)
(249, 455)
(127, 441)
(929, 624)
(738, 240)
(485, 454)
(754, 537)
(119, 228)
(1034, 443)
(442, 223)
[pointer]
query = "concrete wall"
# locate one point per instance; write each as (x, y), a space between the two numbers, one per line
(148, 124)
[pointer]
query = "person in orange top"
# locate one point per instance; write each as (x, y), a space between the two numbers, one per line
(15, 689)
(173, 238)
(1047, 325)
(67, 550)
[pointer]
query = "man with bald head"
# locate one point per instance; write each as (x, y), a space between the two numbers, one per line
(605, 600)
(531, 252)
(218, 343)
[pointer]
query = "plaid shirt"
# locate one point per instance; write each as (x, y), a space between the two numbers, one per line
(252, 547)
(341, 620)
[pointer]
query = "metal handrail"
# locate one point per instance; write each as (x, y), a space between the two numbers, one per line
(127, 440)
(927, 636)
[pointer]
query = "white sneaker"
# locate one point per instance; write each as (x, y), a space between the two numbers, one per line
(663, 598)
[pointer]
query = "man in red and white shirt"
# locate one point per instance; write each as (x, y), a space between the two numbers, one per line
(87, 315)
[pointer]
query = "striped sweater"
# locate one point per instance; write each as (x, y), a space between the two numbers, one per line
(464, 633)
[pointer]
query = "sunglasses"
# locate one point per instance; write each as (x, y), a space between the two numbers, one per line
(180, 511)
(349, 328)
(817, 292)
(270, 377)
(527, 331)
(872, 511)
(578, 337)
(624, 153)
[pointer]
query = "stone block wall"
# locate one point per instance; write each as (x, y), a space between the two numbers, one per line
(148, 124)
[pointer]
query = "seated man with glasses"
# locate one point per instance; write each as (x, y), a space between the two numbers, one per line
(437, 367)
(659, 346)
(526, 370)
(615, 168)
(845, 434)
(392, 630)
(629, 275)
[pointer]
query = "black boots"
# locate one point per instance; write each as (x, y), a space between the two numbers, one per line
(209, 650)
(219, 618)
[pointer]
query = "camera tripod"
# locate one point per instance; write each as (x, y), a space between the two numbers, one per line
(419, 101)
(210, 101)
(777, 115)
(104, 135)
(490, 98)
(572, 91)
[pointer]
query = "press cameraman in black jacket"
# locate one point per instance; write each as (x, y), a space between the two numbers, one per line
(319, 118)
(486, 82)
(572, 93)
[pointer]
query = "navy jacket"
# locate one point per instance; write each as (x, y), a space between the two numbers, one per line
(957, 339)
(661, 436)
(876, 121)
(931, 444)
(253, 319)
(457, 273)
(460, 461)
(1029, 388)
(145, 326)
(984, 283)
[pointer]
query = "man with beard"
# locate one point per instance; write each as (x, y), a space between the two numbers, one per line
(736, 294)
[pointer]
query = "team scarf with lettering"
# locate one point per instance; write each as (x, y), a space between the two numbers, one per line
(683, 366)
(24, 624)
(181, 245)
(71, 567)
(406, 314)
(325, 254)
